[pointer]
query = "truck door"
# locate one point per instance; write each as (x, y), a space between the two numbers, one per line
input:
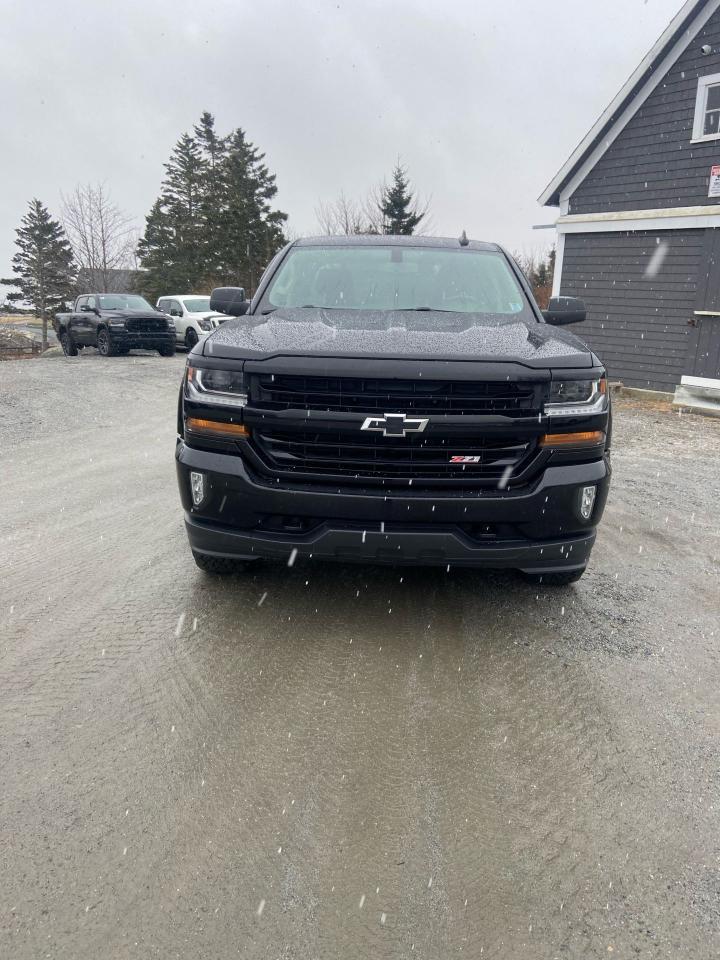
(79, 322)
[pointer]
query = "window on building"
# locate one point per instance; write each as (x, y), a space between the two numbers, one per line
(707, 109)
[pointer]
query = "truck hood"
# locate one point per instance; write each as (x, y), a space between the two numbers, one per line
(132, 314)
(396, 335)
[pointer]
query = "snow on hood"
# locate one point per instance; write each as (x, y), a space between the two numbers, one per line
(396, 334)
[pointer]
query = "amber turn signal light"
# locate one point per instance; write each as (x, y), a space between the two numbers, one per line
(216, 428)
(587, 438)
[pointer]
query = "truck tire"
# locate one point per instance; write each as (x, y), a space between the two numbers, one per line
(219, 566)
(106, 348)
(555, 579)
(68, 344)
(191, 338)
(167, 351)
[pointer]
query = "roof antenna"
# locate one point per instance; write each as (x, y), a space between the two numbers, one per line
(464, 242)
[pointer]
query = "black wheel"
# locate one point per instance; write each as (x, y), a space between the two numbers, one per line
(167, 351)
(555, 579)
(68, 345)
(191, 338)
(220, 566)
(106, 348)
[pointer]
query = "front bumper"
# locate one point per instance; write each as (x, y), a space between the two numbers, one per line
(137, 340)
(535, 528)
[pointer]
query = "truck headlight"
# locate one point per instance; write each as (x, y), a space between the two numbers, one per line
(116, 324)
(218, 387)
(205, 324)
(576, 398)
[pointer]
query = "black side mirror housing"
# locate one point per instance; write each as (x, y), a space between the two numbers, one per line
(562, 310)
(229, 300)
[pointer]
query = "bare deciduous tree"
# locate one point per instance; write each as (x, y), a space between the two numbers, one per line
(102, 237)
(342, 217)
(538, 268)
(347, 217)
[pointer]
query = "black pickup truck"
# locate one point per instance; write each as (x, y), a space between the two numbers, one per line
(114, 323)
(396, 400)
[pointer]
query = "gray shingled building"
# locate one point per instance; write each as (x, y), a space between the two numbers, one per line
(638, 231)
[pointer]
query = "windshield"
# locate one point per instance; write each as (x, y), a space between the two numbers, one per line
(123, 301)
(197, 304)
(396, 278)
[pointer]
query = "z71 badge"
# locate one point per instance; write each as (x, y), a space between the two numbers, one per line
(465, 459)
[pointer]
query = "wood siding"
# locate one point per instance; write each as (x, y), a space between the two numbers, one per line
(653, 163)
(637, 322)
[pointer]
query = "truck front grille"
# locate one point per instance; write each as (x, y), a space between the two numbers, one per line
(146, 325)
(372, 457)
(359, 395)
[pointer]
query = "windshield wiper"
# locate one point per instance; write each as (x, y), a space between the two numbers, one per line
(305, 306)
(423, 310)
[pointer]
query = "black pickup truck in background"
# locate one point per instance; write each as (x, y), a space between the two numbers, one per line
(114, 323)
(394, 400)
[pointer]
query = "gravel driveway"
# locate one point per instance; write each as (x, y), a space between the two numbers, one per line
(336, 761)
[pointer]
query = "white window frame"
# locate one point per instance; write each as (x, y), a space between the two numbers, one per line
(704, 83)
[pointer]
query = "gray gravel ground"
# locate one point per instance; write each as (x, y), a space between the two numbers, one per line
(344, 762)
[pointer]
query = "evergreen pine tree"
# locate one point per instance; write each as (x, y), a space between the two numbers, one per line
(213, 150)
(157, 251)
(213, 223)
(44, 269)
(252, 230)
(542, 274)
(398, 207)
(182, 198)
(171, 250)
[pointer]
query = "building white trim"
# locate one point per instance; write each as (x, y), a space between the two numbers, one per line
(704, 83)
(666, 218)
(659, 71)
(557, 273)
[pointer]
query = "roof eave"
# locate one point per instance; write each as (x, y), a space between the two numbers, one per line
(551, 195)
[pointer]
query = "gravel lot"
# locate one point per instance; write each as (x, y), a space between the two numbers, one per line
(344, 762)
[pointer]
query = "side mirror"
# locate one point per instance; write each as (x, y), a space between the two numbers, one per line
(562, 310)
(230, 300)
(175, 312)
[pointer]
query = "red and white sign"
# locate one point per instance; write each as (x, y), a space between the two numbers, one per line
(714, 187)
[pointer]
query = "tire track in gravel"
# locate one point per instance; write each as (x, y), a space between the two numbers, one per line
(397, 763)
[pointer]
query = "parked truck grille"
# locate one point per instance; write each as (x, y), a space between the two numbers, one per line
(421, 458)
(146, 325)
(358, 395)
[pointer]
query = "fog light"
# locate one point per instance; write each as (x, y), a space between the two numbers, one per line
(197, 487)
(587, 502)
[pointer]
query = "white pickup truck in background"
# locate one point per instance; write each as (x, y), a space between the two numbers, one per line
(193, 317)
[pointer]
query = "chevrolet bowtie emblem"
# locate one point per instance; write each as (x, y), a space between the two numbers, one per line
(395, 424)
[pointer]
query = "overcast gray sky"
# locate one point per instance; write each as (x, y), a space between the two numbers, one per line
(482, 99)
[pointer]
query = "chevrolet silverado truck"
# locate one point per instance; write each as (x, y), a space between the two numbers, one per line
(397, 400)
(115, 323)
